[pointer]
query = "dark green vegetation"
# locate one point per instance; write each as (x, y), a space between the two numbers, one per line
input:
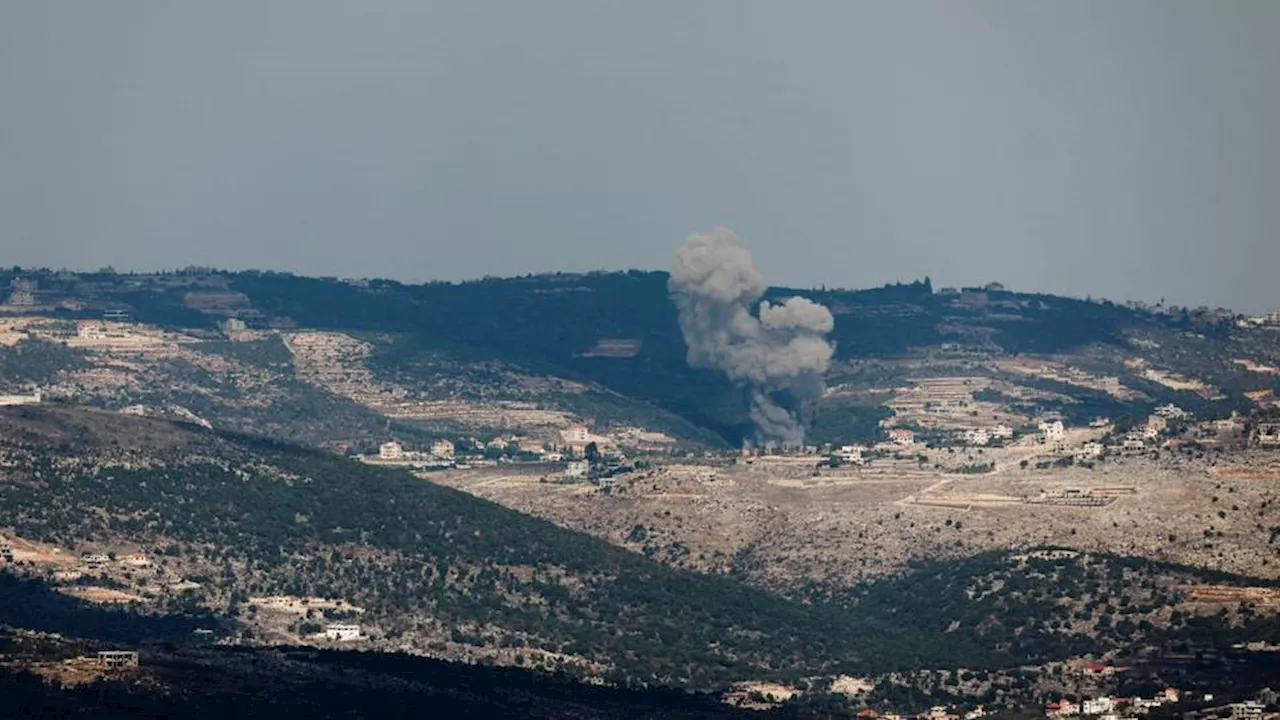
(281, 684)
(267, 353)
(30, 604)
(34, 362)
(1041, 608)
(571, 326)
(256, 517)
(844, 423)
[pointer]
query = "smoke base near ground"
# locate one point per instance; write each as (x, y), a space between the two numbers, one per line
(779, 351)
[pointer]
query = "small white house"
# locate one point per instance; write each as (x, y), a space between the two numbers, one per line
(342, 632)
(1003, 432)
(1133, 444)
(1054, 432)
(851, 454)
(33, 399)
(576, 468)
(977, 436)
(1097, 706)
(902, 436)
(442, 449)
(94, 560)
(1171, 412)
(1089, 451)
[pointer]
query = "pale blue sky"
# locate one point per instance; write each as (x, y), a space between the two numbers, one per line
(1123, 149)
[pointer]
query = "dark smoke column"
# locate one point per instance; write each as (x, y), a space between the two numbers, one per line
(779, 351)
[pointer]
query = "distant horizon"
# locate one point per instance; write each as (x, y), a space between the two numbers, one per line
(1102, 149)
(820, 287)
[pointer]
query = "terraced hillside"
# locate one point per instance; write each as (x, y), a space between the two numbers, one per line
(524, 352)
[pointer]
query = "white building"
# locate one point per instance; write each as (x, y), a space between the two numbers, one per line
(978, 436)
(576, 468)
(442, 449)
(1089, 451)
(137, 560)
(902, 436)
(1133, 443)
(533, 447)
(576, 434)
(1247, 710)
(1172, 412)
(851, 454)
(342, 632)
(1054, 432)
(1097, 706)
(1228, 424)
(1065, 708)
(1003, 432)
(33, 399)
(24, 292)
(390, 451)
(94, 560)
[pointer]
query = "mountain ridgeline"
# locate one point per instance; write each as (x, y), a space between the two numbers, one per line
(558, 324)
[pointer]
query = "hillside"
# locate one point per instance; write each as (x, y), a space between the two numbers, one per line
(212, 527)
(307, 683)
(228, 520)
(321, 360)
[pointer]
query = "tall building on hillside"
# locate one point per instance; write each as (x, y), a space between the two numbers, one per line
(390, 451)
(22, 292)
(577, 434)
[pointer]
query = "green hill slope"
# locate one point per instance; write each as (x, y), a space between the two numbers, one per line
(245, 517)
(443, 571)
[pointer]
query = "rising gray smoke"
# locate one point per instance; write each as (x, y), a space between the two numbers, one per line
(779, 351)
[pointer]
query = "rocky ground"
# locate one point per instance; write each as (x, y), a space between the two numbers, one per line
(776, 522)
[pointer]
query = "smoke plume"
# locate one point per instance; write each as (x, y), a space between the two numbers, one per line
(779, 351)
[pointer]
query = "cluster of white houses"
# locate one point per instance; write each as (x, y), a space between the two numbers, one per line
(1110, 708)
(97, 561)
(573, 440)
(393, 452)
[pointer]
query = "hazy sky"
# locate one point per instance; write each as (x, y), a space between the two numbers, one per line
(1126, 149)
